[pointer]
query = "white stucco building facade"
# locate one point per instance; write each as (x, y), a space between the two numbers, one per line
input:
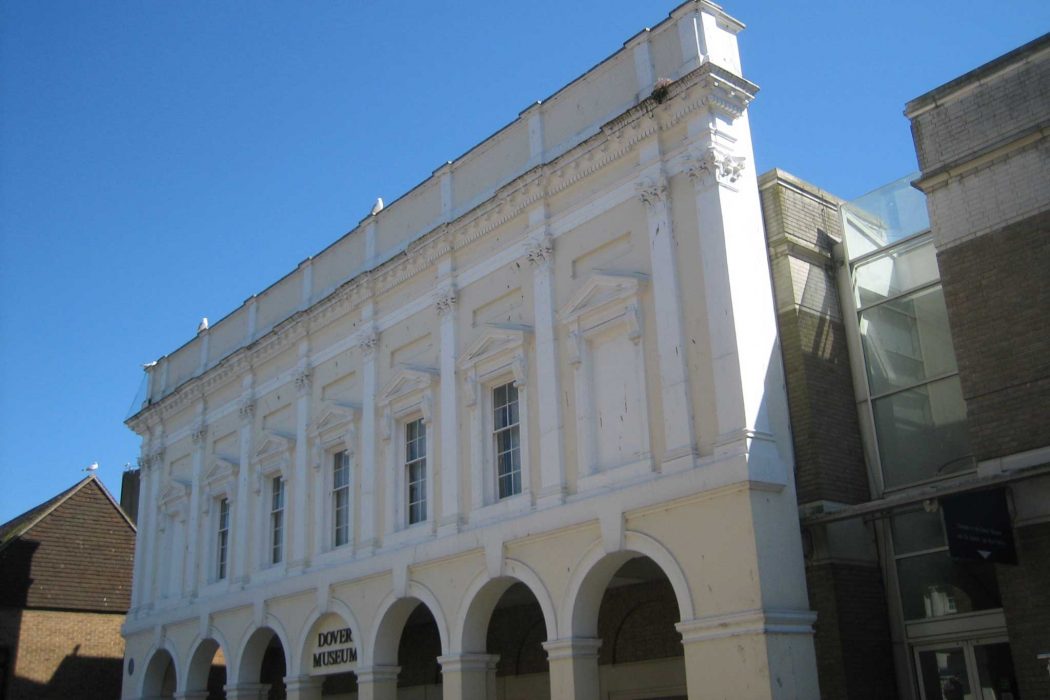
(545, 377)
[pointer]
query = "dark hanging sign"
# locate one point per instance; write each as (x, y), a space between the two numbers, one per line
(978, 527)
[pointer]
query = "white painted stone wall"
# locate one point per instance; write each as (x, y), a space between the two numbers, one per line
(617, 276)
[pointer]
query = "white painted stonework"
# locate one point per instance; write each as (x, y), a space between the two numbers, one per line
(604, 256)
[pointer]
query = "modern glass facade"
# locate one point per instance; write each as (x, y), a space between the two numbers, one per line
(913, 415)
(911, 393)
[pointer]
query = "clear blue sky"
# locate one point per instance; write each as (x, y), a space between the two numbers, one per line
(162, 161)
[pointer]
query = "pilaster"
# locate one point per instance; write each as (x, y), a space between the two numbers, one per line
(242, 515)
(300, 495)
(193, 534)
(540, 254)
(746, 371)
(368, 347)
(447, 313)
(679, 442)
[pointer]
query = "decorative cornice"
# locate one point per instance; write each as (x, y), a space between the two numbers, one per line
(709, 87)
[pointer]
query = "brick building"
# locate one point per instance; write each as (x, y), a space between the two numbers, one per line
(917, 357)
(65, 585)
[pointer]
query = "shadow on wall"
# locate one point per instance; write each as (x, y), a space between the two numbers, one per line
(76, 677)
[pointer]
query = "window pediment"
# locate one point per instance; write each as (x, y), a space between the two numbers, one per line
(175, 497)
(605, 294)
(222, 470)
(409, 380)
(499, 348)
(334, 420)
(274, 447)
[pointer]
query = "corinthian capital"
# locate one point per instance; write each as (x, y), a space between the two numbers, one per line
(652, 191)
(246, 410)
(445, 300)
(711, 166)
(540, 251)
(369, 343)
(302, 380)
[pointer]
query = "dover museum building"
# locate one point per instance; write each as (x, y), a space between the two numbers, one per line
(521, 434)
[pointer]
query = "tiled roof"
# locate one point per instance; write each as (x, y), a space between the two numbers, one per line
(72, 552)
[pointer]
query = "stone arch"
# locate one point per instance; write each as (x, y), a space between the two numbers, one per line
(250, 659)
(390, 621)
(203, 651)
(334, 607)
(152, 683)
(594, 571)
(480, 599)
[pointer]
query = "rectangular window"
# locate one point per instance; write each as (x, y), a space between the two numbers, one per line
(416, 470)
(277, 521)
(340, 498)
(223, 538)
(506, 434)
(932, 584)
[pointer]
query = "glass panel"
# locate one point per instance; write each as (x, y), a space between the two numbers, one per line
(922, 433)
(917, 531)
(890, 213)
(907, 340)
(899, 269)
(943, 674)
(934, 585)
(995, 672)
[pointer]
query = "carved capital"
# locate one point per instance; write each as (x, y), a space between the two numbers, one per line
(652, 191)
(200, 434)
(369, 344)
(711, 166)
(246, 410)
(445, 300)
(540, 251)
(302, 380)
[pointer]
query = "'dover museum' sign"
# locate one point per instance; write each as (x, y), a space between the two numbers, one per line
(333, 649)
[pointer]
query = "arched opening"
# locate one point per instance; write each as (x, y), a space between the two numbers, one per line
(641, 652)
(159, 679)
(408, 636)
(417, 654)
(264, 661)
(207, 670)
(516, 633)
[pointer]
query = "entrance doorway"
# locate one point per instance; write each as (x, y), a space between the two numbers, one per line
(977, 669)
